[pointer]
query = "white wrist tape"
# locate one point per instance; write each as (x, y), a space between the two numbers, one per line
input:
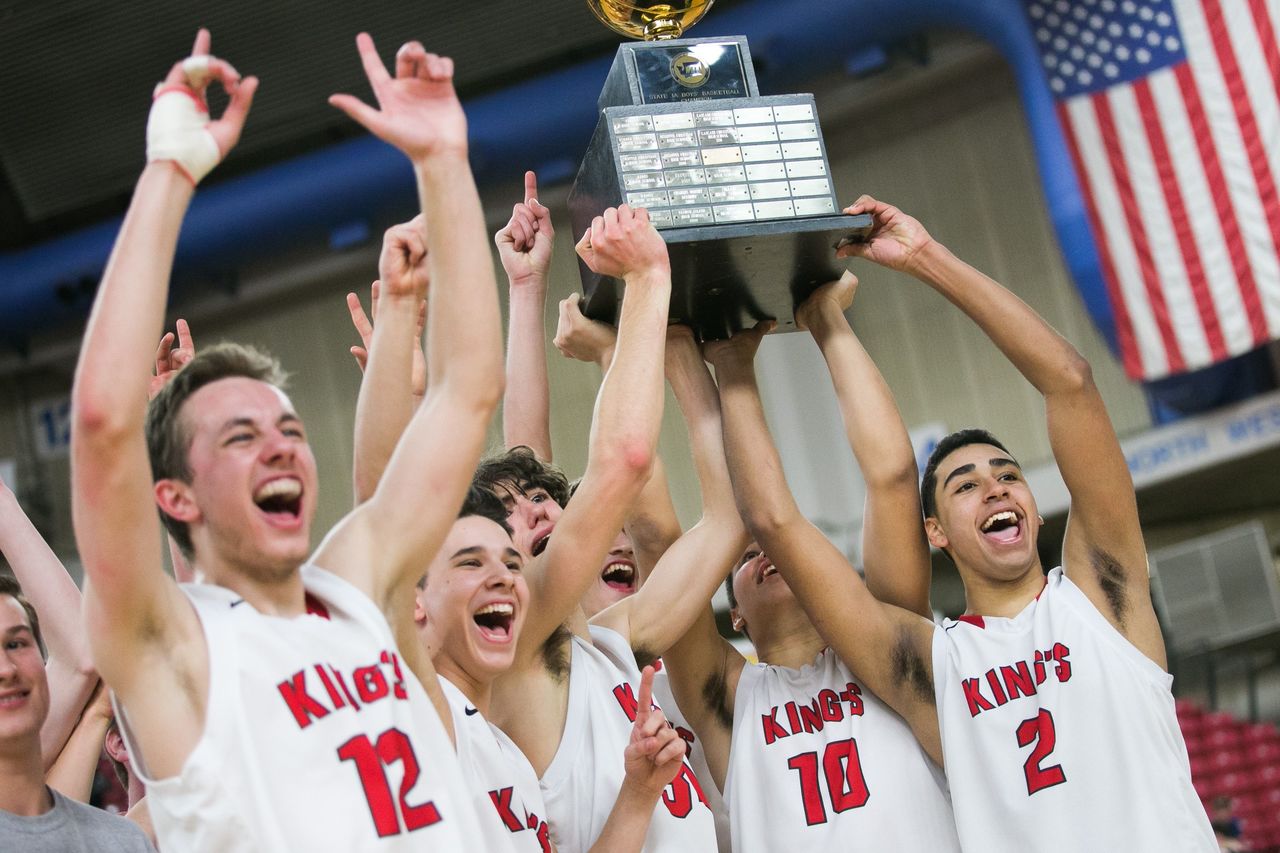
(176, 131)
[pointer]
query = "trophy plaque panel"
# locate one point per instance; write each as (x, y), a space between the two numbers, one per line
(679, 70)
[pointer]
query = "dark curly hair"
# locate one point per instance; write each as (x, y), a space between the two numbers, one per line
(521, 471)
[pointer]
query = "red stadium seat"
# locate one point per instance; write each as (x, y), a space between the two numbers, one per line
(1223, 761)
(1261, 732)
(1220, 720)
(1222, 737)
(1187, 708)
(1261, 753)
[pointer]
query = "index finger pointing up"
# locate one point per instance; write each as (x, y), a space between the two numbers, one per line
(530, 187)
(201, 46)
(645, 702)
(373, 67)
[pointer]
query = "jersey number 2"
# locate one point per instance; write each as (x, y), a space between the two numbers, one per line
(846, 786)
(389, 814)
(1039, 730)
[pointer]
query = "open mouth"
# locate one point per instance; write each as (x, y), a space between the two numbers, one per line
(1002, 527)
(495, 621)
(280, 498)
(540, 545)
(620, 575)
(769, 571)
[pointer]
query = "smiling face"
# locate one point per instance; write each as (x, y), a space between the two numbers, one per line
(617, 578)
(473, 601)
(252, 488)
(985, 515)
(24, 687)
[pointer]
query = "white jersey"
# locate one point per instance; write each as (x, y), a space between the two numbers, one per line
(1059, 735)
(818, 763)
(316, 737)
(582, 781)
(697, 757)
(512, 814)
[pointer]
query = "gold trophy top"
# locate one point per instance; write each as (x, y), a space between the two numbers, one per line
(643, 19)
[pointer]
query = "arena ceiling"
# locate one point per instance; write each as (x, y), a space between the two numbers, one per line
(77, 75)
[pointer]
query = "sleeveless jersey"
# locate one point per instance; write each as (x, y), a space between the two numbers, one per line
(582, 781)
(1059, 735)
(697, 758)
(512, 814)
(316, 737)
(818, 763)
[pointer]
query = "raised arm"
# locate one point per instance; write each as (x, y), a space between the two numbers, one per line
(624, 431)
(651, 524)
(687, 575)
(524, 246)
(390, 386)
(56, 599)
(1104, 552)
(887, 647)
(141, 627)
(71, 773)
(383, 544)
(895, 553)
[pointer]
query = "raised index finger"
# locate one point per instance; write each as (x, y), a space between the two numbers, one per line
(645, 702)
(184, 337)
(202, 43)
(530, 187)
(373, 67)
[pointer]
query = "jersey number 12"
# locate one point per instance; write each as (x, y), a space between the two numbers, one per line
(370, 758)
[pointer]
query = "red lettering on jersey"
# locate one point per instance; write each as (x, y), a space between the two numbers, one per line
(852, 694)
(627, 699)
(334, 696)
(685, 735)
(1017, 680)
(1039, 668)
(811, 717)
(371, 684)
(1063, 670)
(346, 691)
(772, 731)
(304, 706)
(973, 695)
(398, 688)
(793, 717)
(996, 689)
(502, 802)
(542, 829)
(829, 702)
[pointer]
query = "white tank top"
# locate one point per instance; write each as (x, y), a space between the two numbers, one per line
(1059, 735)
(582, 781)
(316, 737)
(512, 814)
(697, 757)
(818, 763)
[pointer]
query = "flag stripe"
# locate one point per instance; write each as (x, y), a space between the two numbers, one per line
(1124, 325)
(1137, 233)
(1209, 232)
(1262, 176)
(1177, 211)
(1267, 38)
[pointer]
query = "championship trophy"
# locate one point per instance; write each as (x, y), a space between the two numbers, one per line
(737, 184)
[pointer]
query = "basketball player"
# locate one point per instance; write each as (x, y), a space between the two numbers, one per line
(269, 709)
(471, 603)
(807, 757)
(570, 698)
(525, 246)
(1048, 699)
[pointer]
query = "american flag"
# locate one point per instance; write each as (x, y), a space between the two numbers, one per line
(1171, 110)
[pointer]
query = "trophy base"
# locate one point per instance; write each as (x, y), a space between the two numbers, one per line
(725, 278)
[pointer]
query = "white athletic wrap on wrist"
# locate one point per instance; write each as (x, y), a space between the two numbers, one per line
(176, 131)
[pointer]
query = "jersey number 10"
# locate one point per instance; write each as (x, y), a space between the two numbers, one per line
(846, 786)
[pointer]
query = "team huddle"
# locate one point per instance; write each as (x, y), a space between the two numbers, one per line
(483, 656)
